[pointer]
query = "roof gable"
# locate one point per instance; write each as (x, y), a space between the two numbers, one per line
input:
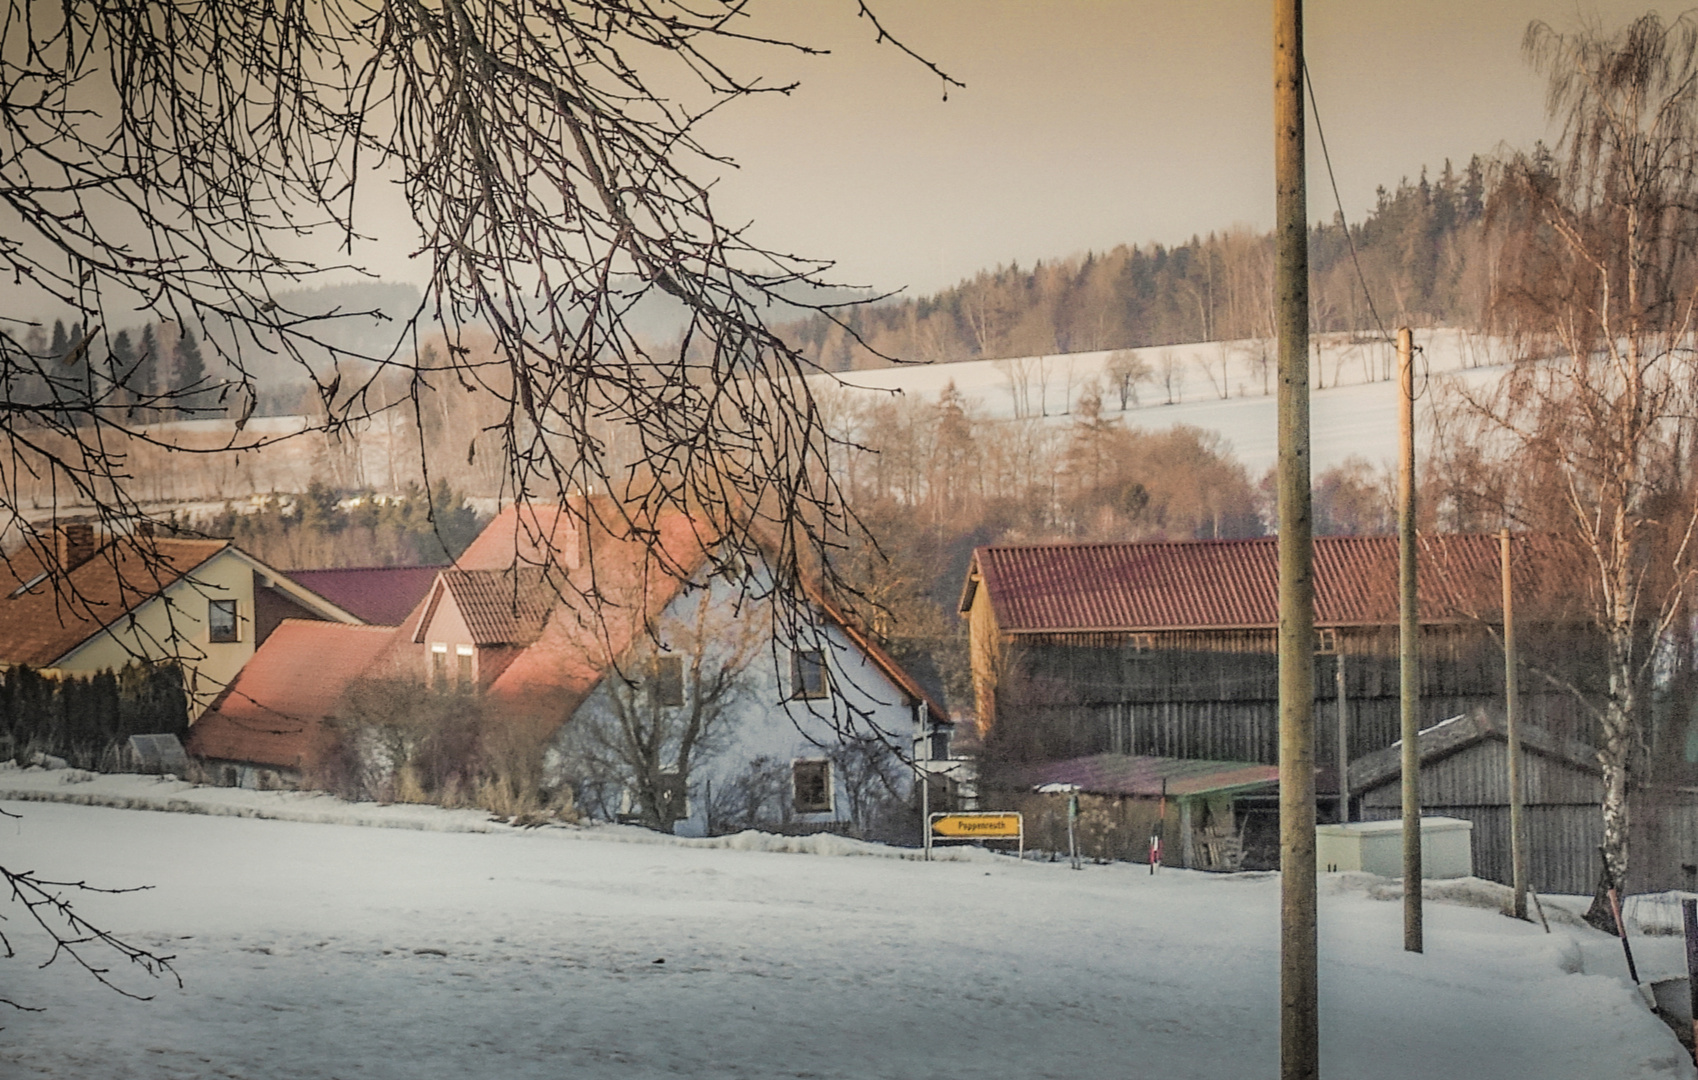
(1459, 733)
(42, 620)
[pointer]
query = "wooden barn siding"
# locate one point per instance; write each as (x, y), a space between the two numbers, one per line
(1225, 705)
(1562, 843)
(1564, 823)
(1479, 776)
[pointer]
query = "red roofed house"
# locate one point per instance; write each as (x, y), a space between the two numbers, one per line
(618, 622)
(99, 604)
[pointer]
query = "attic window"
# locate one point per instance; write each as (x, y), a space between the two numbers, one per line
(1326, 641)
(1140, 643)
(667, 683)
(221, 621)
(811, 783)
(807, 673)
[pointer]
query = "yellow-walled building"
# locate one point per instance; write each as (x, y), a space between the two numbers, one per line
(203, 603)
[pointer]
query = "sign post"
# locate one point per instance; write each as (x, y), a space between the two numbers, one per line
(978, 825)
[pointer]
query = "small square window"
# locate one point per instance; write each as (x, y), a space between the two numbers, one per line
(807, 673)
(1326, 641)
(667, 681)
(221, 621)
(811, 780)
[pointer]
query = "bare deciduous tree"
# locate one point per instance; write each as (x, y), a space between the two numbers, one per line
(1591, 430)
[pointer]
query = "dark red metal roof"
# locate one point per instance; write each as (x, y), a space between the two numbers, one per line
(1234, 584)
(381, 595)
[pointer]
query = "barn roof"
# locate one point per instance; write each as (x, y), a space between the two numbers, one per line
(42, 620)
(271, 713)
(1234, 584)
(1128, 774)
(381, 595)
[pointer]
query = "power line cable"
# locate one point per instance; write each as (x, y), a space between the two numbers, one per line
(1315, 111)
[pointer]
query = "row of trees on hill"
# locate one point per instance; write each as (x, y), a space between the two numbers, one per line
(324, 528)
(1420, 250)
(156, 373)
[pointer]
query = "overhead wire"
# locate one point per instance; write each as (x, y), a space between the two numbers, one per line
(1349, 239)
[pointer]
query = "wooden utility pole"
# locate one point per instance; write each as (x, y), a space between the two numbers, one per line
(1409, 643)
(1299, 982)
(1341, 752)
(1511, 692)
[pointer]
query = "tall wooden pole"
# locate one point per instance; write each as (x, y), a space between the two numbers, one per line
(1511, 693)
(1299, 1028)
(1409, 644)
(1341, 752)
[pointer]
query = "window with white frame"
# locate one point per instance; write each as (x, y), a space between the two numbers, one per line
(810, 781)
(221, 625)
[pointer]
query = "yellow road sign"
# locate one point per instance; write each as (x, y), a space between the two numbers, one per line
(976, 825)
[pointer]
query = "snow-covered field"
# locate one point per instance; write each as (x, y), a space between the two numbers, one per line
(1219, 386)
(341, 950)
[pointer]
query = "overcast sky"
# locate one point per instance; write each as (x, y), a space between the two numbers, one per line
(1087, 124)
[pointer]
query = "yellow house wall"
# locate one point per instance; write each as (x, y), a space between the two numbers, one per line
(986, 649)
(181, 614)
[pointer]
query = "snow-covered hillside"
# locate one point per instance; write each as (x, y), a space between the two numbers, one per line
(324, 950)
(1225, 387)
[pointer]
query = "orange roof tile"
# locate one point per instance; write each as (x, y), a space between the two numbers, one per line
(272, 712)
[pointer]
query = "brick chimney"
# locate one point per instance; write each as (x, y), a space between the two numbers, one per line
(75, 540)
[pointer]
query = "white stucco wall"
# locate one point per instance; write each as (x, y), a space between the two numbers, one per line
(765, 720)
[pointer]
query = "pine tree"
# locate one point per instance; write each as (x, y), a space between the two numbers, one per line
(190, 374)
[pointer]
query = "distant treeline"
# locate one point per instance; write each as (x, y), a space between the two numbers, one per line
(323, 528)
(88, 719)
(1420, 252)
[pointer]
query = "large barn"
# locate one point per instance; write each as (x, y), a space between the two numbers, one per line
(1169, 649)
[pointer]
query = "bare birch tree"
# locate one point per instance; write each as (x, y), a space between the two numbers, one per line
(1592, 429)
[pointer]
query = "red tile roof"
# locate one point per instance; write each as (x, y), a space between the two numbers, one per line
(271, 714)
(41, 623)
(381, 595)
(1234, 584)
(502, 607)
(1125, 774)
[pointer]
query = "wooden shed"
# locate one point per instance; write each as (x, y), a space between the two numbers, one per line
(1465, 774)
(1213, 815)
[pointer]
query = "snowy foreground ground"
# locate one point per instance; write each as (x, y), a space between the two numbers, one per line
(314, 949)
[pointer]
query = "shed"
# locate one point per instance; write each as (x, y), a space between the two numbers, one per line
(1465, 774)
(1212, 814)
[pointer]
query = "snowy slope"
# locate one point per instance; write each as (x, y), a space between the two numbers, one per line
(322, 950)
(1355, 412)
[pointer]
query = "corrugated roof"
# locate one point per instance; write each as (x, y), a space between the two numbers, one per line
(381, 595)
(272, 712)
(41, 623)
(1127, 774)
(1234, 584)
